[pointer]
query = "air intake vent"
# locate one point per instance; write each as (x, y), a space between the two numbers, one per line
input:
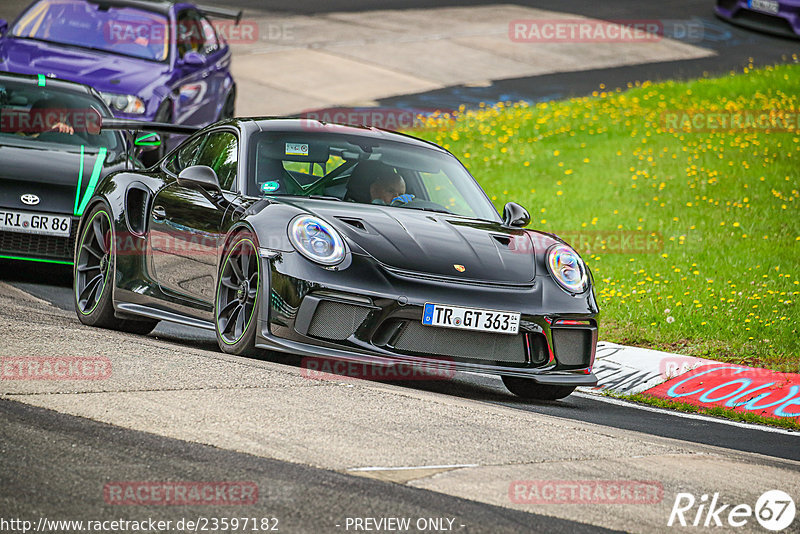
(573, 346)
(355, 223)
(136, 208)
(336, 320)
(421, 339)
(504, 240)
(39, 246)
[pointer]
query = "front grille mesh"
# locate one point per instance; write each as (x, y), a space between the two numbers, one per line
(336, 320)
(38, 246)
(764, 21)
(416, 337)
(573, 346)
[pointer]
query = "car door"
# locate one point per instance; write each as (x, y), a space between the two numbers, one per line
(201, 85)
(186, 227)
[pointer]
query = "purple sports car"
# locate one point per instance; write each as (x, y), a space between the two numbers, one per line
(153, 60)
(781, 17)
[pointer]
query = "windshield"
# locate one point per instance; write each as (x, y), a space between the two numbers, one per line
(366, 170)
(42, 114)
(120, 30)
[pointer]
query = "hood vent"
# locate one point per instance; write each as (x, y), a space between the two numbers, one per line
(355, 223)
(502, 239)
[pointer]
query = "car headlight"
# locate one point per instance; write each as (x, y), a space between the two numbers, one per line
(567, 268)
(317, 240)
(124, 103)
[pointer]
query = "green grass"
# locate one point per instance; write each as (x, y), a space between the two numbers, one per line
(716, 411)
(723, 205)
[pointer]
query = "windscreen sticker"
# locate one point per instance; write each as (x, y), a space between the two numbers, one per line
(269, 187)
(296, 149)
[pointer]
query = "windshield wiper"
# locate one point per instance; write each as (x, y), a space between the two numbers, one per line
(435, 210)
(315, 197)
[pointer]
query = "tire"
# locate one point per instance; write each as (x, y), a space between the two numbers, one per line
(528, 389)
(237, 297)
(228, 110)
(93, 276)
(164, 114)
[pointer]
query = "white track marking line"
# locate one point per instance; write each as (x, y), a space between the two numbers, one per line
(629, 404)
(409, 468)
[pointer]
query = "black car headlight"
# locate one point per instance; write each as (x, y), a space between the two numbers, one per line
(317, 240)
(124, 103)
(567, 268)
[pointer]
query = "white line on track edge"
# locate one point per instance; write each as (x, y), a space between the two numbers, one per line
(455, 466)
(629, 404)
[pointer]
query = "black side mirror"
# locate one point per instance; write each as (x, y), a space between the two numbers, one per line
(194, 59)
(201, 177)
(515, 215)
(147, 141)
(3, 27)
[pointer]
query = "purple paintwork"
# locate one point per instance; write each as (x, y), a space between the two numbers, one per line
(781, 17)
(76, 40)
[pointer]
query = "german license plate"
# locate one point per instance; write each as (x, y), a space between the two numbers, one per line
(765, 6)
(498, 322)
(35, 223)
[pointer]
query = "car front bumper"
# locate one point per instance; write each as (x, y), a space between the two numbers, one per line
(41, 248)
(786, 22)
(370, 314)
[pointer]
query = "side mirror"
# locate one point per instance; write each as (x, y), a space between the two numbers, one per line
(515, 215)
(147, 141)
(3, 27)
(201, 177)
(194, 59)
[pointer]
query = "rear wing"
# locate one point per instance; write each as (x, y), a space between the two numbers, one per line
(159, 127)
(221, 13)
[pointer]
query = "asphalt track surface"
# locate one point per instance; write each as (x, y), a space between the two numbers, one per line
(301, 498)
(587, 408)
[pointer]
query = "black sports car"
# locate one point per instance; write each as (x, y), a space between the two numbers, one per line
(336, 243)
(52, 156)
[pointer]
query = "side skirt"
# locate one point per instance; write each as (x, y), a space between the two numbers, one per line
(125, 310)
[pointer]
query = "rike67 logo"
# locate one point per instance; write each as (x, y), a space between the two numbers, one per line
(774, 510)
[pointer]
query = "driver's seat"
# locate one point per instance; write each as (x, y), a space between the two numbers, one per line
(362, 177)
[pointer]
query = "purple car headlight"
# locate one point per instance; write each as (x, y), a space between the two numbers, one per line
(567, 268)
(124, 103)
(317, 240)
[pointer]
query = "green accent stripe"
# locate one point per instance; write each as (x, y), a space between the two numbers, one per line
(42, 80)
(36, 260)
(98, 166)
(80, 180)
(147, 140)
